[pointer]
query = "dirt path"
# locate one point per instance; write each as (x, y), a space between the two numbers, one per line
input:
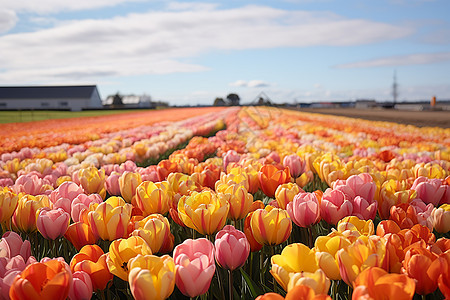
(416, 118)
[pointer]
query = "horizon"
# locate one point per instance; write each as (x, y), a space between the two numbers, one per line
(192, 52)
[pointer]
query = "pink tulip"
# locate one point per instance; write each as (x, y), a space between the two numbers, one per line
(430, 190)
(194, 265)
(9, 269)
(230, 157)
(334, 206)
(423, 212)
(232, 248)
(81, 287)
(81, 202)
(295, 163)
(31, 184)
(149, 173)
(63, 196)
(11, 245)
(304, 210)
(357, 185)
(112, 184)
(6, 182)
(363, 209)
(52, 224)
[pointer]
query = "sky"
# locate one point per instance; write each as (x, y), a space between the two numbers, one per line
(187, 52)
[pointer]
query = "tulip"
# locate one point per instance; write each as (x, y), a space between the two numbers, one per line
(349, 225)
(304, 210)
(82, 202)
(8, 204)
(81, 286)
(25, 215)
(155, 231)
(203, 212)
(48, 280)
(232, 248)
(441, 218)
(295, 163)
(194, 265)
(375, 283)
(404, 215)
(318, 281)
(52, 224)
(270, 296)
(92, 260)
(271, 176)
(270, 226)
(295, 258)
(429, 190)
(11, 245)
(393, 192)
(80, 234)
(109, 221)
(239, 200)
(152, 197)
(121, 251)
(236, 176)
(31, 184)
(128, 182)
(329, 168)
(304, 292)
(424, 267)
(358, 185)
(326, 248)
(285, 193)
(166, 167)
(387, 226)
(91, 180)
(63, 196)
(229, 157)
(151, 277)
(334, 206)
(9, 269)
(365, 252)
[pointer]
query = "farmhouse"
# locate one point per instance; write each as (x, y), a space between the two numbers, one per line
(73, 98)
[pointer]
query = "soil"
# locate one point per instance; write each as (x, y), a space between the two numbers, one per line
(427, 118)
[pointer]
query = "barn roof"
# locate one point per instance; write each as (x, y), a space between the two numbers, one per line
(46, 92)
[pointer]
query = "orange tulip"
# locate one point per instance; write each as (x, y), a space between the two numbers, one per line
(378, 284)
(271, 176)
(49, 280)
(424, 267)
(304, 292)
(152, 197)
(80, 234)
(92, 260)
(254, 245)
(92, 180)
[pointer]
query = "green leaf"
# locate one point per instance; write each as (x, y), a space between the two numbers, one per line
(255, 290)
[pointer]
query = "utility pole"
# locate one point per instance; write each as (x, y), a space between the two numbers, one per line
(394, 88)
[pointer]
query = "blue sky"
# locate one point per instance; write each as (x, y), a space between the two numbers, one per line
(192, 52)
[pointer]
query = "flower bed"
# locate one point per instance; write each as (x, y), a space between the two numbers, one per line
(230, 203)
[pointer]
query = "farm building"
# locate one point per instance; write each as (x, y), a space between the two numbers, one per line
(73, 98)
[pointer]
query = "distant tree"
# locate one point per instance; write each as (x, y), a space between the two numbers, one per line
(233, 99)
(219, 102)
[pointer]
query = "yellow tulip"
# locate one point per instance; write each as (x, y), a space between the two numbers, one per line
(239, 199)
(294, 258)
(92, 180)
(318, 281)
(285, 193)
(352, 227)
(204, 211)
(109, 220)
(28, 207)
(152, 197)
(120, 253)
(326, 248)
(365, 252)
(8, 204)
(270, 226)
(128, 182)
(151, 277)
(155, 231)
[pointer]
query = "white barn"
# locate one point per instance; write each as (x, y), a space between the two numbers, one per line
(74, 98)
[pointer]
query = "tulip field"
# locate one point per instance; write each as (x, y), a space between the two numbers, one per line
(224, 203)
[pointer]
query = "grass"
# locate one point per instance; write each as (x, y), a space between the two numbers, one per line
(39, 115)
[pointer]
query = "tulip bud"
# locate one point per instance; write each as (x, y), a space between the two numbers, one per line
(232, 248)
(52, 224)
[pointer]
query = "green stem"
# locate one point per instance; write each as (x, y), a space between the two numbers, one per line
(274, 282)
(230, 284)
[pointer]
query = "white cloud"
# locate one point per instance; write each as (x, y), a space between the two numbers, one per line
(53, 6)
(8, 20)
(250, 84)
(159, 41)
(399, 60)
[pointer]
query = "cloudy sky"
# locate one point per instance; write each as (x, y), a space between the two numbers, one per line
(192, 52)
